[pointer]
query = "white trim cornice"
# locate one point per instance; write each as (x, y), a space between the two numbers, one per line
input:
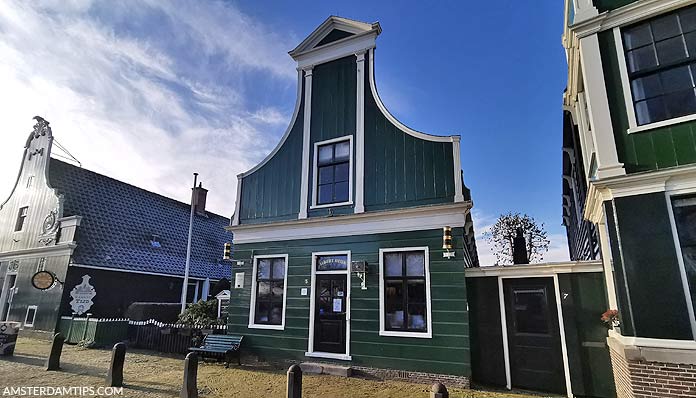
(61, 249)
(628, 14)
(400, 220)
(533, 270)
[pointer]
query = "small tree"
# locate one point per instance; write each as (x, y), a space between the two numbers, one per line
(202, 313)
(503, 232)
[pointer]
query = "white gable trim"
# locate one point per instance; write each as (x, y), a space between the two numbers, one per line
(331, 23)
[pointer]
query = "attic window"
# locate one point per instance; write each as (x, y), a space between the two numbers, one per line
(21, 217)
(333, 172)
(155, 242)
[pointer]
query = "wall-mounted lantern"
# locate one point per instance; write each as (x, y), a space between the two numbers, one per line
(227, 254)
(447, 242)
(360, 269)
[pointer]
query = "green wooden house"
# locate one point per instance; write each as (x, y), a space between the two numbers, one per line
(338, 233)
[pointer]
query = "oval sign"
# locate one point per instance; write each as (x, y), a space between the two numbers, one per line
(43, 280)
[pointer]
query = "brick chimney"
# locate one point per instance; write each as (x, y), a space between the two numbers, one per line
(199, 195)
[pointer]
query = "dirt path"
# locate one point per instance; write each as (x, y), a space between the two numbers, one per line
(148, 374)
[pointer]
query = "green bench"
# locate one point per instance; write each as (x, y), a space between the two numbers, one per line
(220, 346)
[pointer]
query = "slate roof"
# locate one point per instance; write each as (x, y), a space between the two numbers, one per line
(119, 220)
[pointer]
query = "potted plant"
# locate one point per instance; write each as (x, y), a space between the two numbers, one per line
(611, 320)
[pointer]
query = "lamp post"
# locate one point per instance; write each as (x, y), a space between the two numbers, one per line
(184, 289)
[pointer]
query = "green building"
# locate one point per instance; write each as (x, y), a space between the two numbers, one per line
(631, 105)
(338, 233)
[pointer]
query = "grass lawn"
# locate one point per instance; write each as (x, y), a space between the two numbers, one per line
(150, 374)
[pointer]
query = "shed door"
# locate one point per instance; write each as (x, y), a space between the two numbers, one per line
(534, 339)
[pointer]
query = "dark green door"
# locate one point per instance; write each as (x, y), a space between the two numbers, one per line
(534, 339)
(330, 314)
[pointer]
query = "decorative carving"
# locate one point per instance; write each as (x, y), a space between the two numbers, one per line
(50, 223)
(41, 127)
(46, 240)
(37, 151)
(13, 266)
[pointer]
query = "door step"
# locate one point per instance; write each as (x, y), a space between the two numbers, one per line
(326, 369)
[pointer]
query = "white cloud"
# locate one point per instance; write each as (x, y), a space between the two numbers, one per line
(558, 248)
(143, 92)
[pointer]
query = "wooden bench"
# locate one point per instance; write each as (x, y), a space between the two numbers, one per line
(220, 346)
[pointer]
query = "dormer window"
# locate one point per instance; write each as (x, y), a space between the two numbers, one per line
(333, 172)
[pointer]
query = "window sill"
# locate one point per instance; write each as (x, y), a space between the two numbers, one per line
(662, 123)
(329, 355)
(269, 327)
(312, 207)
(427, 335)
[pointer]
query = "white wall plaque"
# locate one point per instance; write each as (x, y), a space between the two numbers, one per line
(303, 291)
(239, 280)
(82, 296)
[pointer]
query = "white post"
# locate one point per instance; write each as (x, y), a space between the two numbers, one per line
(184, 288)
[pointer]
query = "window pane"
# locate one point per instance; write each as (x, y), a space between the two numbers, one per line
(417, 317)
(687, 17)
(325, 153)
(680, 103)
(264, 269)
(341, 172)
(276, 316)
(394, 307)
(650, 110)
(671, 50)
(325, 194)
(326, 175)
(262, 310)
(685, 218)
(531, 311)
(416, 292)
(263, 290)
(279, 268)
(676, 79)
(341, 192)
(393, 264)
(664, 27)
(641, 58)
(691, 44)
(342, 151)
(646, 87)
(637, 36)
(278, 290)
(415, 264)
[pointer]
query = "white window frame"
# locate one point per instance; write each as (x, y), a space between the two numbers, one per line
(33, 319)
(315, 177)
(252, 305)
(633, 126)
(312, 298)
(382, 330)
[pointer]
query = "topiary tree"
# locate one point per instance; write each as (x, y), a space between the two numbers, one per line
(202, 313)
(503, 232)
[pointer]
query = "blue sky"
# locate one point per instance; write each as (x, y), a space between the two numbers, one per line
(148, 92)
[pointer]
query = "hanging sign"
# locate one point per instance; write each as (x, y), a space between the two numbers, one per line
(82, 296)
(43, 280)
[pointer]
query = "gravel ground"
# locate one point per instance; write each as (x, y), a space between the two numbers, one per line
(149, 374)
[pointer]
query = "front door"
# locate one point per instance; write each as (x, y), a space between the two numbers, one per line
(534, 339)
(330, 313)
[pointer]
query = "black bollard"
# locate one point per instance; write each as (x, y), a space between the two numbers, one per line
(190, 387)
(438, 390)
(53, 361)
(294, 382)
(114, 378)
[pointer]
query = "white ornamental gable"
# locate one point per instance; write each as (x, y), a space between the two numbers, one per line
(82, 296)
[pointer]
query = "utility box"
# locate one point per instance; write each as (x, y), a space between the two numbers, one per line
(8, 337)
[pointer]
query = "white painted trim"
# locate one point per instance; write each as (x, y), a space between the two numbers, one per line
(607, 262)
(535, 270)
(564, 348)
(653, 343)
(391, 118)
(238, 201)
(61, 249)
(408, 219)
(682, 266)
(33, 319)
(662, 123)
(382, 329)
(295, 112)
(329, 24)
(304, 185)
(456, 153)
(136, 272)
(506, 343)
(252, 304)
(338, 49)
(312, 301)
(608, 164)
(315, 177)
(360, 134)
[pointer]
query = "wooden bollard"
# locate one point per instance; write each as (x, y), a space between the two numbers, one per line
(438, 390)
(294, 382)
(190, 387)
(114, 378)
(53, 361)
